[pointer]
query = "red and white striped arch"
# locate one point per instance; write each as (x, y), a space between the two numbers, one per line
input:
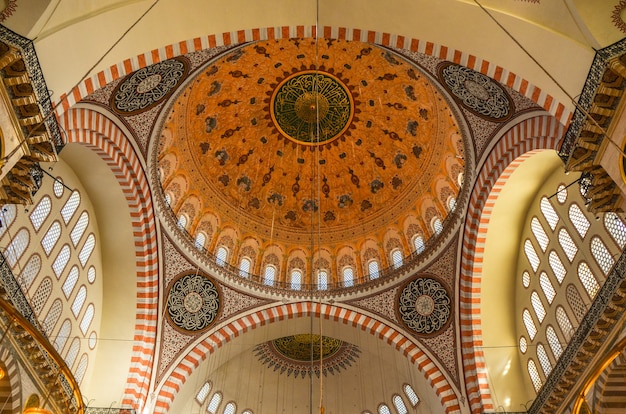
(172, 385)
(516, 145)
(105, 138)
(496, 72)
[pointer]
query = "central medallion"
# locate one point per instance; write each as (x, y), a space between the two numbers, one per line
(311, 107)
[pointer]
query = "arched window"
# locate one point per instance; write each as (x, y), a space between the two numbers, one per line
(526, 279)
(546, 286)
(534, 375)
(530, 324)
(540, 233)
(52, 317)
(81, 369)
(41, 295)
(418, 244)
(553, 340)
(531, 254)
(221, 256)
(7, 216)
(79, 228)
(544, 361)
(182, 222)
(436, 225)
(214, 403)
(322, 280)
(588, 280)
(269, 276)
(87, 318)
(540, 311)
(15, 250)
(200, 240)
(296, 279)
(372, 267)
(244, 267)
(396, 258)
(168, 199)
(602, 255)
(41, 212)
(451, 203)
(383, 409)
(561, 193)
(70, 282)
(579, 220)
(203, 393)
(576, 302)
(459, 179)
(564, 323)
(548, 212)
(398, 402)
(51, 237)
(230, 408)
(348, 276)
(411, 395)
(72, 352)
(57, 187)
(557, 266)
(91, 274)
(616, 228)
(85, 252)
(68, 210)
(30, 272)
(61, 260)
(63, 335)
(523, 345)
(79, 300)
(567, 244)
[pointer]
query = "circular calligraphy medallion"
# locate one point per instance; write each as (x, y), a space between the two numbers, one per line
(476, 91)
(148, 86)
(311, 107)
(424, 306)
(193, 302)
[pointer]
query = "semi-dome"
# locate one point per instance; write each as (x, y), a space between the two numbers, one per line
(311, 156)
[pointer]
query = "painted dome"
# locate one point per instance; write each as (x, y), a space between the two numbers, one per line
(287, 150)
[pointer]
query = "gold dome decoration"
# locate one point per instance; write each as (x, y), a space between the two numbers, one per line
(276, 140)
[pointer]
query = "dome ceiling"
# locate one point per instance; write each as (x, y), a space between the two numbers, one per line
(287, 144)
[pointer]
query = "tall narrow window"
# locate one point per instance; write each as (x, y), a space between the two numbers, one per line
(72, 352)
(322, 280)
(530, 324)
(437, 226)
(548, 212)
(418, 244)
(230, 408)
(411, 395)
(526, 279)
(383, 409)
(348, 276)
(616, 228)
(221, 256)
(85, 252)
(531, 254)
(544, 361)
(553, 340)
(588, 280)
(79, 228)
(602, 255)
(557, 266)
(214, 403)
(72, 203)
(87, 318)
(579, 220)
(372, 267)
(546, 287)
(79, 300)
(52, 317)
(51, 237)
(540, 233)
(57, 187)
(41, 295)
(200, 240)
(534, 375)
(62, 335)
(568, 245)
(244, 267)
(41, 212)
(7, 216)
(182, 222)
(398, 402)
(561, 194)
(30, 272)
(564, 323)
(81, 369)
(576, 302)
(269, 276)
(296, 279)
(61, 260)
(451, 203)
(540, 311)
(203, 393)
(396, 258)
